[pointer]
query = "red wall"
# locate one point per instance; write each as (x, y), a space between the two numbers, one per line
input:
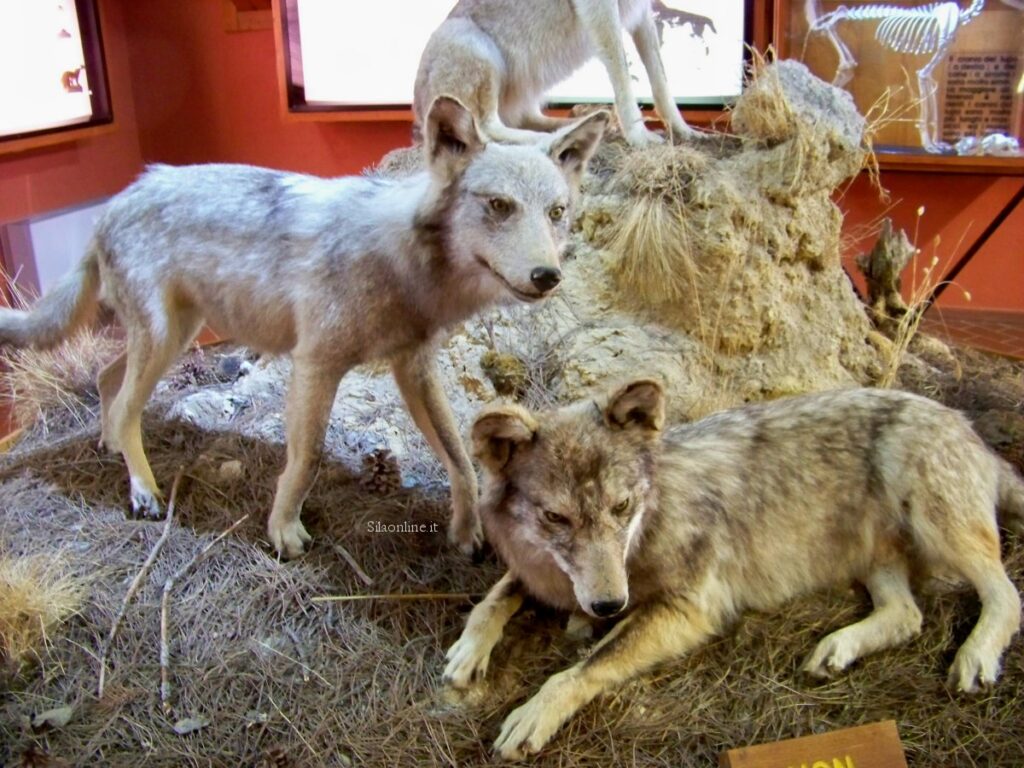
(203, 94)
(957, 209)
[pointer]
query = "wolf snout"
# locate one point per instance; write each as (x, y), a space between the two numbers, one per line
(605, 608)
(545, 279)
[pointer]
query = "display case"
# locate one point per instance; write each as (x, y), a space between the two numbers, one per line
(941, 81)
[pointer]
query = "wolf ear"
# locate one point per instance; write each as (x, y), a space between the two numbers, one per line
(451, 136)
(639, 403)
(572, 147)
(498, 430)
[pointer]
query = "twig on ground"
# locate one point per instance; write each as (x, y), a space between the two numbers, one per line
(367, 580)
(305, 667)
(399, 596)
(165, 651)
(292, 726)
(137, 581)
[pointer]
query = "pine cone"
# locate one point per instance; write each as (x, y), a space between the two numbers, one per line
(33, 757)
(275, 757)
(381, 473)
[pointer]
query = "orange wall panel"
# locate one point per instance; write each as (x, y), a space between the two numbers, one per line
(208, 95)
(957, 209)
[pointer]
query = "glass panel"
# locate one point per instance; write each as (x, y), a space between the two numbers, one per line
(945, 77)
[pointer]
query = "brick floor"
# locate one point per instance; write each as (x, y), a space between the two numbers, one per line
(995, 331)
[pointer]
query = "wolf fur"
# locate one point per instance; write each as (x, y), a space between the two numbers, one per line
(336, 272)
(596, 508)
(500, 56)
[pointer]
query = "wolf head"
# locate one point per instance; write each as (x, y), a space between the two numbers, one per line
(566, 492)
(505, 210)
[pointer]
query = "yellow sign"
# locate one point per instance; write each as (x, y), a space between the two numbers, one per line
(867, 746)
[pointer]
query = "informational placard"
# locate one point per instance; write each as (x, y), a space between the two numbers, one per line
(978, 94)
(867, 746)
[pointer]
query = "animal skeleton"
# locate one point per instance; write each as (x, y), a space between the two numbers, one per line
(924, 29)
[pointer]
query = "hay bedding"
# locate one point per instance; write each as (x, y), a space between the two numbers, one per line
(276, 679)
(263, 676)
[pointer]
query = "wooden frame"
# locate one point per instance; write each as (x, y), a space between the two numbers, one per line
(759, 24)
(906, 158)
(102, 122)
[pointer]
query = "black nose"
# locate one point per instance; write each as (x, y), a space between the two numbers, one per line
(545, 278)
(605, 608)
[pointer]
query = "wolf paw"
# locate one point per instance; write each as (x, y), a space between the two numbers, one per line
(682, 133)
(468, 536)
(528, 728)
(145, 503)
(639, 136)
(972, 671)
(290, 538)
(832, 655)
(467, 661)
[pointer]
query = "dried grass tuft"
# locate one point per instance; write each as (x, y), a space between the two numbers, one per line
(764, 113)
(36, 596)
(55, 388)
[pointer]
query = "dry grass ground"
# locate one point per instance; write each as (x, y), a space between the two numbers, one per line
(274, 678)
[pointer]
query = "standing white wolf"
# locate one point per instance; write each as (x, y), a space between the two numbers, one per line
(335, 271)
(595, 508)
(499, 57)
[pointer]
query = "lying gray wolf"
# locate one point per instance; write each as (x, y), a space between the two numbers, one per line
(594, 508)
(499, 57)
(335, 271)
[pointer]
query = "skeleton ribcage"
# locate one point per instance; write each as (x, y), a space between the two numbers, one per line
(923, 29)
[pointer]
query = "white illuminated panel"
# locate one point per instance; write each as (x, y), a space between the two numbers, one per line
(700, 67)
(356, 52)
(42, 68)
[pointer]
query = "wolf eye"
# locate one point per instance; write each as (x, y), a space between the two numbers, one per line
(500, 205)
(556, 213)
(621, 507)
(554, 517)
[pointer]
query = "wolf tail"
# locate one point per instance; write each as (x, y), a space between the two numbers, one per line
(60, 312)
(1011, 497)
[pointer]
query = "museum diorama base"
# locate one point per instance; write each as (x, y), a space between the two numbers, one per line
(715, 265)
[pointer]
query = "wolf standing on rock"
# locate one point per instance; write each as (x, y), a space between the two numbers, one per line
(335, 272)
(500, 56)
(594, 508)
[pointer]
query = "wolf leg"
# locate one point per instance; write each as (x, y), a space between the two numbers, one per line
(108, 383)
(645, 36)
(469, 656)
(601, 20)
(494, 129)
(651, 635)
(308, 404)
(536, 120)
(419, 383)
(894, 620)
(977, 662)
(147, 357)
